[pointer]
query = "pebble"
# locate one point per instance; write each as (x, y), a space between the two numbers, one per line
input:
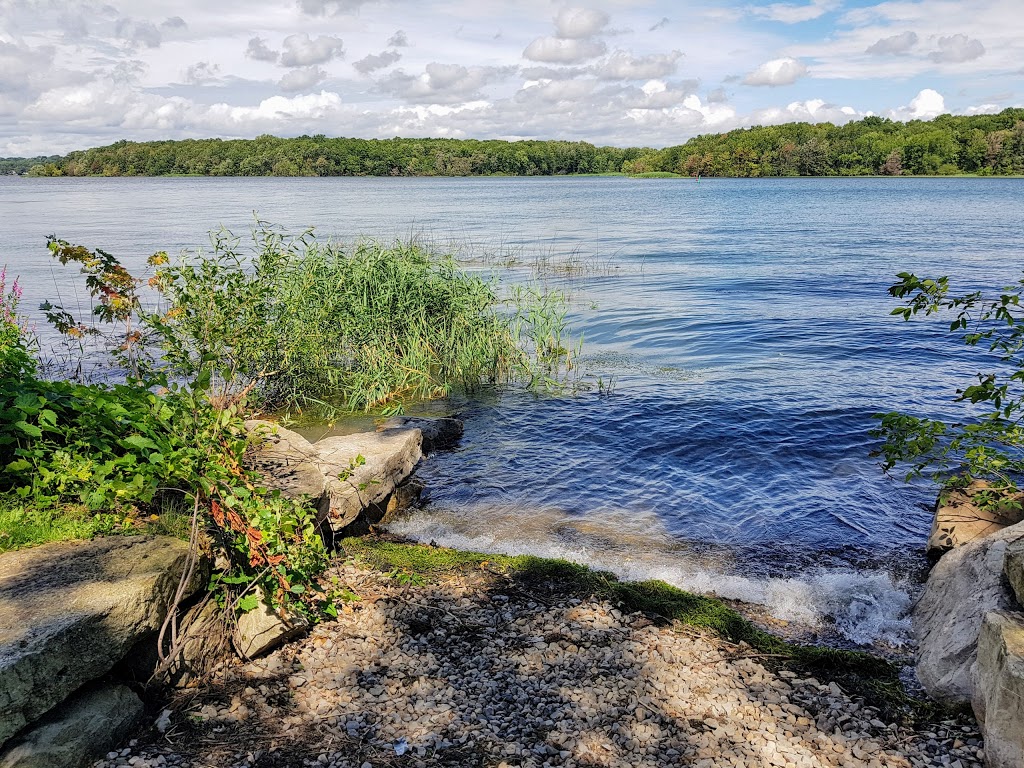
(455, 675)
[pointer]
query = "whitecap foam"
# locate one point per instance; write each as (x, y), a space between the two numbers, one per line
(864, 607)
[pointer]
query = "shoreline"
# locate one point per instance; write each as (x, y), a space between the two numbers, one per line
(454, 658)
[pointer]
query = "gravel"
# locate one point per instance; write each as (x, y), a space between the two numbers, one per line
(468, 672)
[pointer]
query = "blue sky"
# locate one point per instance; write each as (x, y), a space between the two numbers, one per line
(79, 73)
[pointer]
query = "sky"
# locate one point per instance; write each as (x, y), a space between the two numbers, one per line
(79, 73)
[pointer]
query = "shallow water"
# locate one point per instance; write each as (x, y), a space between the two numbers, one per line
(745, 324)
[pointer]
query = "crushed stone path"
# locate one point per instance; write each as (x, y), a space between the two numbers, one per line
(474, 671)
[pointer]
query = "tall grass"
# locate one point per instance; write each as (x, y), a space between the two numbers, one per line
(304, 323)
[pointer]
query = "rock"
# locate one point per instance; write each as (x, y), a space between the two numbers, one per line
(70, 611)
(287, 462)
(1013, 568)
(83, 727)
(963, 586)
(388, 458)
(262, 629)
(958, 519)
(437, 433)
(999, 693)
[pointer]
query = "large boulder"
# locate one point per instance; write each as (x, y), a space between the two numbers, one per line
(999, 693)
(70, 611)
(287, 462)
(960, 519)
(364, 469)
(437, 433)
(1013, 568)
(963, 586)
(81, 728)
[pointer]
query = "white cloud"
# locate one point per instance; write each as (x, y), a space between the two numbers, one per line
(374, 61)
(894, 44)
(398, 40)
(259, 50)
(555, 50)
(927, 104)
(777, 72)
(957, 48)
(621, 65)
(202, 72)
(330, 7)
(579, 23)
(443, 83)
(301, 79)
(302, 51)
(138, 32)
(788, 13)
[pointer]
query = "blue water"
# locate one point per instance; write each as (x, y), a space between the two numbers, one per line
(746, 327)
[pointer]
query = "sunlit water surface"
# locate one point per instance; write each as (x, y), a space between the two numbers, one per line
(746, 327)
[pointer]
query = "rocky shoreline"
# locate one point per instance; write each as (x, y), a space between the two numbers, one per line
(475, 668)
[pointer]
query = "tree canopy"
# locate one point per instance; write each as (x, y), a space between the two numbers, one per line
(949, 144)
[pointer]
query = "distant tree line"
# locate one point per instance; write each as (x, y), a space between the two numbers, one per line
(974, 144)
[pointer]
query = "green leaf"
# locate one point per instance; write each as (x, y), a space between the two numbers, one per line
(248, 603)
(19, 465)
(138, 441)
(48, 417)
(29, 429)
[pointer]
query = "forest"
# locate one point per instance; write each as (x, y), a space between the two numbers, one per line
(947, 145)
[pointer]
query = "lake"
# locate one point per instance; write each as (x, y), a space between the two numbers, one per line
(745, 326)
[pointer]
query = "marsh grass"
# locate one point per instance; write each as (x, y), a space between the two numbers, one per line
(305, 324)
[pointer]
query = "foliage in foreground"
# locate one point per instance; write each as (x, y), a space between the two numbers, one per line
(989, 447)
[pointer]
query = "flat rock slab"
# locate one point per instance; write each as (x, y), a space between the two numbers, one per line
(437, 433)
(999, 694)
(959, 519)
(389, 457)
(963, 586)
(286, 461)
(70, 611)
(84, 727)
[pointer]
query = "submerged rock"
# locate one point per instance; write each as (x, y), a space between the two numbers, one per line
(964, 585)
(83, 727)
(999, 693)
(70, 611)
(959, 519)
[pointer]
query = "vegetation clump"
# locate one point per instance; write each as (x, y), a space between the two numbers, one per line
(989, 444)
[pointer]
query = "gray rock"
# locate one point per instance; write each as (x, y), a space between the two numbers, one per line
(999, 693)
(1013, 568)
(389, 457)
(963, 586)
(437, 433)
(82, 728)
(287, 462)
(958, 518)
(70, 611)
(262, 629)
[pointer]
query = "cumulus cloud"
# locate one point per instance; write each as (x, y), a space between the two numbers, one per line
(957, 48)
(202, 72)
(259, 50)
(398, 40)
(555, 50)
(174, 22)
(895, 44)
(302, 51)
(301, 79)
(330, 7)
(138, 32)
(788, 13)
(375, 61)
(927, 104)
(443, 83)
(624, 66)
(579, 23)
(777, 72)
